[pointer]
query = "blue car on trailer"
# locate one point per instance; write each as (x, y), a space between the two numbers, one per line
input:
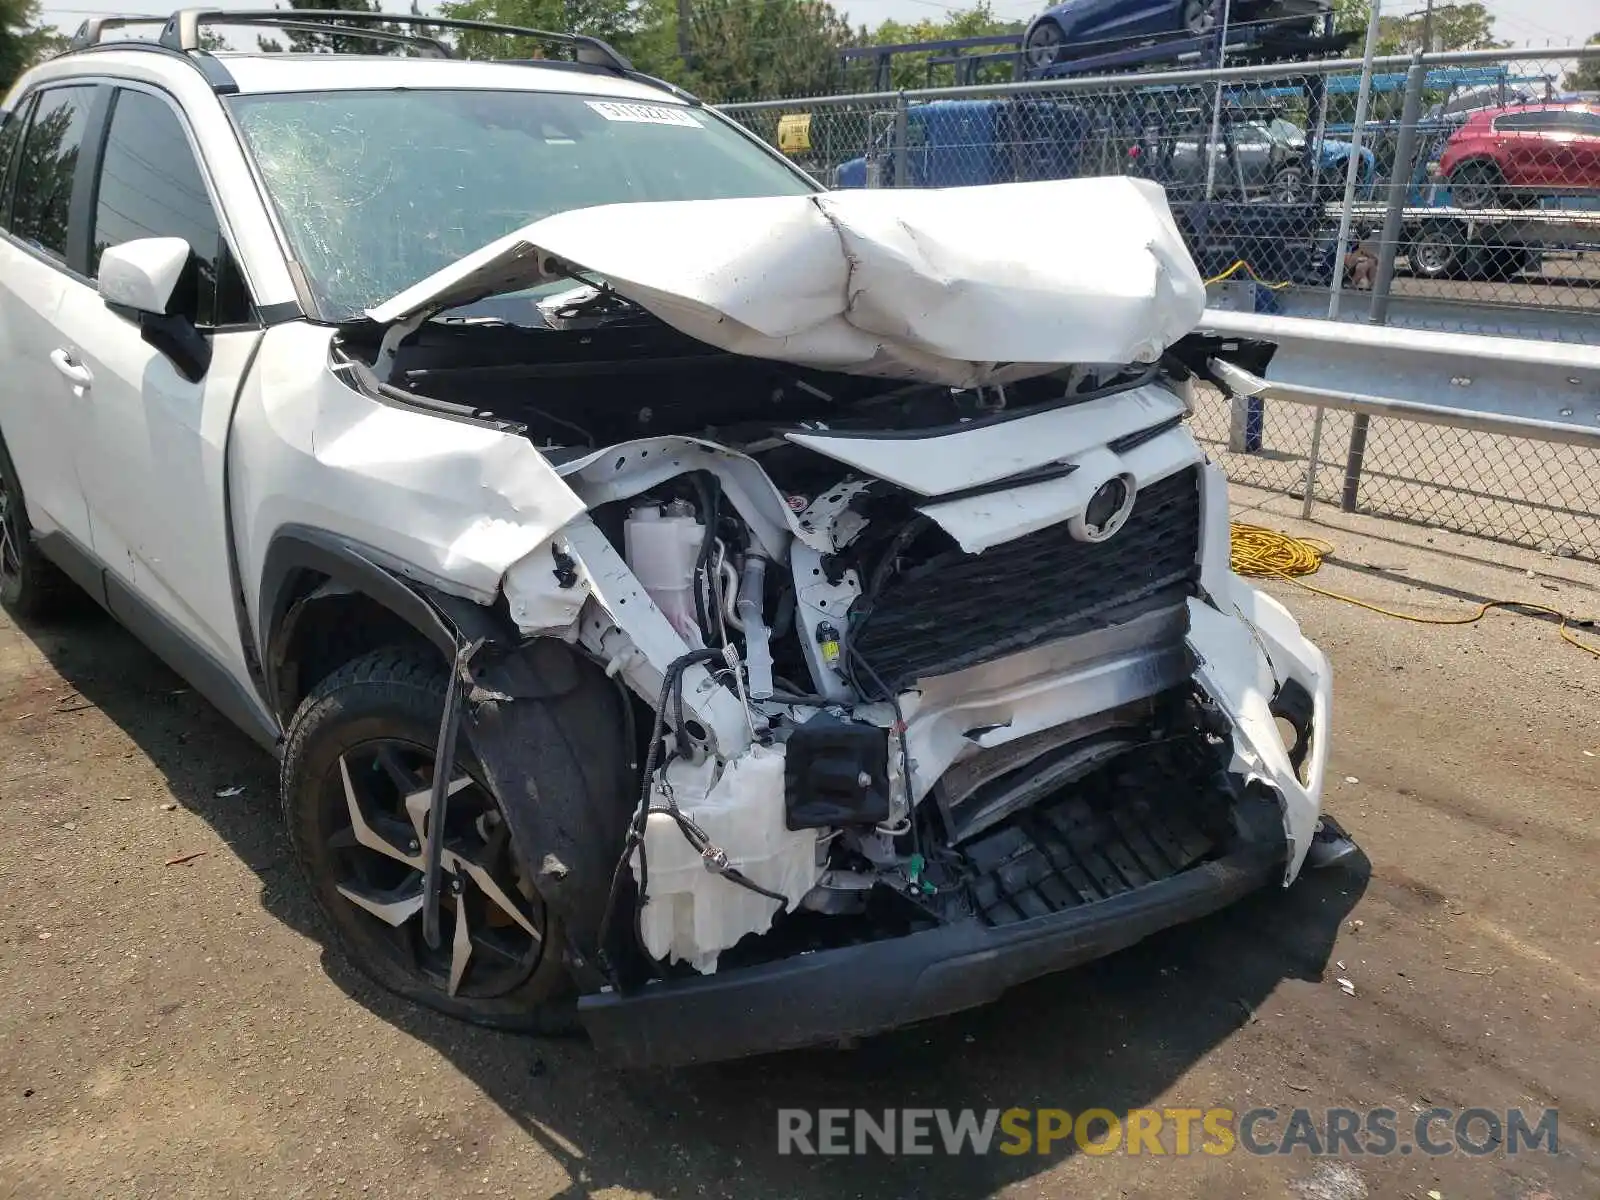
(1073, 29)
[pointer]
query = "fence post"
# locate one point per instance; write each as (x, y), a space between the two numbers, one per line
(902, 157)
(1393, 224)
(1363, 96)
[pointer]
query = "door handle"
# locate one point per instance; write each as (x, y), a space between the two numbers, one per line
(76, 372)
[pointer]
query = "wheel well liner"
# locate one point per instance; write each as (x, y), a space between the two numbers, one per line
(1477, 160)
(304, 567)
(533, 711)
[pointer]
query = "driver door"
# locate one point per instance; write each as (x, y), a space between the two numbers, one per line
(152, 452)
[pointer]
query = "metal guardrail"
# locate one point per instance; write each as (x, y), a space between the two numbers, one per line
(1548, 392)
(1254, 161)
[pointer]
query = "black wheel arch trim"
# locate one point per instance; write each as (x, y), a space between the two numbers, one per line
(297, 550)
(571, 823)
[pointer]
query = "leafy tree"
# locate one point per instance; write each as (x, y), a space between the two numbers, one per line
(614, 21)
(754, 49)
(22, 41)
(1468, 26)
(728, 50)
(1585, 77)
(913, 70)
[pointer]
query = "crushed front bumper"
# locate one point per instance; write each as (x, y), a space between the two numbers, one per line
(1063, 868)
(877, 986)
(1249, 657)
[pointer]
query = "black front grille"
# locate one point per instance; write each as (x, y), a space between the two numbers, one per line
(957, 610)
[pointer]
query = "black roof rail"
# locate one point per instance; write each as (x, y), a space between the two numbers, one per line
(180, 35)
(88, 39)
(182, 29)
(93, 30)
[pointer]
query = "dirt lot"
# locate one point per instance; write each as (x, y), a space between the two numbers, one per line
(178, 1030)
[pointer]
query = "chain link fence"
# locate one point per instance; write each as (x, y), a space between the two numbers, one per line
(1474, 205)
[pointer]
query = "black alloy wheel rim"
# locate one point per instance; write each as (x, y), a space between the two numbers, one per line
(373, 822)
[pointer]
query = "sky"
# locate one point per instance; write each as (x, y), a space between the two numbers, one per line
(1521, 22)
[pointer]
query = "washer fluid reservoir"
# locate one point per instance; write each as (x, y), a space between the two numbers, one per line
(662, 548)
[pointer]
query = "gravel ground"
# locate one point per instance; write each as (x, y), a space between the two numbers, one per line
(175, 1028)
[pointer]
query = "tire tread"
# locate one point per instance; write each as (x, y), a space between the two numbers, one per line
(408, 678)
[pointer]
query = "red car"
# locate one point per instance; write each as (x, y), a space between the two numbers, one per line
(1513, 157)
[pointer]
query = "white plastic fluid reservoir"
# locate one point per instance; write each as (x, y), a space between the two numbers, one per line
(662, 549)
(691, 914)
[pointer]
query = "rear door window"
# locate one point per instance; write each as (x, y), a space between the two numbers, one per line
(1524, 122)
(47, 165)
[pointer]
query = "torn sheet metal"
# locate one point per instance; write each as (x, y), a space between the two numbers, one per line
(1244, 655)
(448, 503)
(957, 286)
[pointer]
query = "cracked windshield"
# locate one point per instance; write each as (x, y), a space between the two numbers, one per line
(377, 190)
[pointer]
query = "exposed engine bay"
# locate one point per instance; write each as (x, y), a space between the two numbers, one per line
(896, 640)
(905, 653)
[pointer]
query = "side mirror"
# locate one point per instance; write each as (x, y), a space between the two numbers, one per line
(144, 278)
(143, 274)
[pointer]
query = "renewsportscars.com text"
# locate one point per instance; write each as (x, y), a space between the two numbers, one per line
(1341, 1132)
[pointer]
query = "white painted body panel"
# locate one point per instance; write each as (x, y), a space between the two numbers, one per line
(150, 449)
(448, 502)
(984, 454)
(39, 408)
(310, 73)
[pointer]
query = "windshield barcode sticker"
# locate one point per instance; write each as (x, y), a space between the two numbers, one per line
(646, 114)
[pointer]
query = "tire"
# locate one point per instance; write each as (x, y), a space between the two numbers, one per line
(1045, 42)
(30, 584)
(1477, 185)
(1435, 252)
(1289, 185)
(1200, 16)
(392, 700)
(1505, 261)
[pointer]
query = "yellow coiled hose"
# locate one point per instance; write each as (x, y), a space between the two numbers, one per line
(1261, 552)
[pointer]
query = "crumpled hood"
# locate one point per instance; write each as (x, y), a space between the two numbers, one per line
(958, 286)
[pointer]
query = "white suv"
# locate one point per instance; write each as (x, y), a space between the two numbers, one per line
(819, 600)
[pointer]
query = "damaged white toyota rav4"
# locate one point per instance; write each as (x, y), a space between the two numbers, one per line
(740, 614)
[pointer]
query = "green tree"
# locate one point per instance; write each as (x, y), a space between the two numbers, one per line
(614, 21)
(755, 49)
(22, 41)
(913, 70)
(1585, 77)
(729, 50)
(1468, 26)
(332, 43)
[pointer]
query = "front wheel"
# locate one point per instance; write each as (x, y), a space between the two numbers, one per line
(358, 766)
(1477, 185)
(1201, 16)
(1044, 45)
